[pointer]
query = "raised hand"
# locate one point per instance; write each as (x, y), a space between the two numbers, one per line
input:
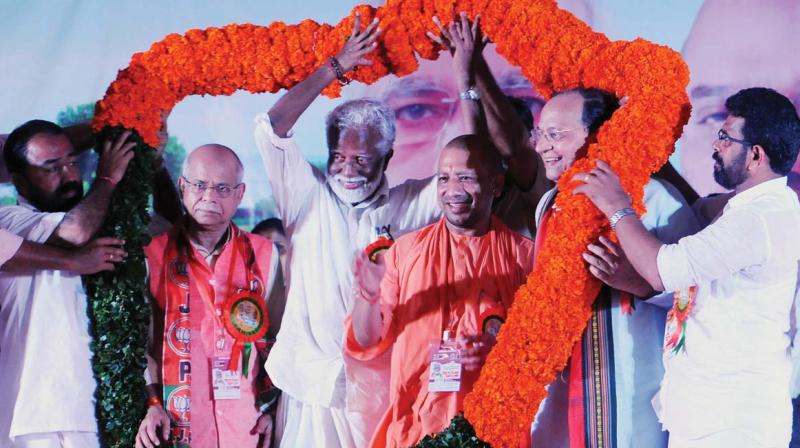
(464, 40)
(358, 45)
(367, 276)
(114, 158)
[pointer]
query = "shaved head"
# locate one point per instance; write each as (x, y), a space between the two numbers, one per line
(481, 148)
(214, 154)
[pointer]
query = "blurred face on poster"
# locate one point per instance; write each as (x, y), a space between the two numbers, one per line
(426, 104)
(735, 44)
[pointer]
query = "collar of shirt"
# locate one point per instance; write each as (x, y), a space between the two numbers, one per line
(754, 192)
(22, 202)
(211, 256)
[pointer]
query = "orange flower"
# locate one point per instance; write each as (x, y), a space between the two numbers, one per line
(555, 50)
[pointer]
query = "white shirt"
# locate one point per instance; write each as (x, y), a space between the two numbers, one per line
(9, 245)
(306, 361)
(736, 367)
(46, 380)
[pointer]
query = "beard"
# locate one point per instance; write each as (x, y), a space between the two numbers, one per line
(63, 199)
(733, 174)
(356, 195)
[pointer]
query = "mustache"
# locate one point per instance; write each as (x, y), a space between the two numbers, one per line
(77, 187)
(459, 198)
(208, 207)
(717, 158)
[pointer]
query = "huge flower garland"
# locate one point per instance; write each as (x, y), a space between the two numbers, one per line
(555, 50)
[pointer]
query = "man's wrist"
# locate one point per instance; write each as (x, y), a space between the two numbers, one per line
(621, 213)
(154, 400)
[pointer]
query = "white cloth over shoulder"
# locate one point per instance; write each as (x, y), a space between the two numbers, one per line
(46, 380)
(325, 234)
(735, 370)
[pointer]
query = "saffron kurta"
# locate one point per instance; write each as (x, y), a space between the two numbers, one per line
(192, 337)
(437, 280)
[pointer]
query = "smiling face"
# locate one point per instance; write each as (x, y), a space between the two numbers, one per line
(722, 63)
(356, 164)
(561, 133)
(467, 185)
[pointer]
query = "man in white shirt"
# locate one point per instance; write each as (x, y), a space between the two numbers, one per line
(726, 350)
(46, 378)
(329, 218)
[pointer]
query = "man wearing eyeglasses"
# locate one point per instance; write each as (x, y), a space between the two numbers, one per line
(726, 350)
(618, 357)
(209, 283)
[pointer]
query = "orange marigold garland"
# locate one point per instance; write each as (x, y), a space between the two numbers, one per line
(555, 50)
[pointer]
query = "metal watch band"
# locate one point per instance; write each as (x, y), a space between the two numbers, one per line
(619, 214)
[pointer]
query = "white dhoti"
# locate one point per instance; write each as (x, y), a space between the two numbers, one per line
(68, 439)
(298, 424)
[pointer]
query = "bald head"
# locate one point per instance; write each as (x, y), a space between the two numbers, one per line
(211, 185)
(214, 155)
(481, 150)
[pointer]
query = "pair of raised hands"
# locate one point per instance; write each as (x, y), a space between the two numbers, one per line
(462, 38)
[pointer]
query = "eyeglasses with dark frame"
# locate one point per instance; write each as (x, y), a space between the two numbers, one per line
(723, 136)
(221, 190)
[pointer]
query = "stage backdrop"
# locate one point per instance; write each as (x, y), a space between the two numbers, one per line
(59, 57)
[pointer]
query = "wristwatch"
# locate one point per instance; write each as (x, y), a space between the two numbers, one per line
(470, 94)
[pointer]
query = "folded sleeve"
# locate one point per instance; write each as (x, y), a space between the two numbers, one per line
(290, 175)
(9, 245)
(737, 240)
(29, 224)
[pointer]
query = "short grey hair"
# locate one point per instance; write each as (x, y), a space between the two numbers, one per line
(361, 115)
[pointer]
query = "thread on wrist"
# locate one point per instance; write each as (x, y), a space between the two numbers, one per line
(154, 401)
(108, 179)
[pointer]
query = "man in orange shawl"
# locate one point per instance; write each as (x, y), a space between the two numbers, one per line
(458, 276)
(209, 281)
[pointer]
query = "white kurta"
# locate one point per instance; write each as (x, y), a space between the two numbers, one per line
(46, 381)
(306, 361)
(735, 371)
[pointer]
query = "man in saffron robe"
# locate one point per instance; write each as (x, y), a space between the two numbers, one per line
(457, 275)
(209, 281)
